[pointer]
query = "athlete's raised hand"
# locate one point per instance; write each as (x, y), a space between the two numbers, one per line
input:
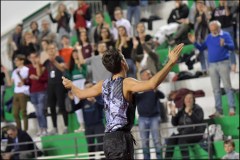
(175, 53)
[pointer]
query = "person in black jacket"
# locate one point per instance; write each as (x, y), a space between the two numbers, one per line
(62, 19)
(190, 113)
(177, 17)
(16, 136)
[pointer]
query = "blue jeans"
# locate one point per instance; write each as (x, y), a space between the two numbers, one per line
(232, 54)
(38, 100)
(147, 124)
(203, 57)
(220, 71)
(133, 11)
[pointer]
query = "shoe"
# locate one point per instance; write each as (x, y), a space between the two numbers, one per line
(44, 132)
(39, 133)
(65, 131)
(53, 131)
(231, 112)
(80, 129)
(216, 115)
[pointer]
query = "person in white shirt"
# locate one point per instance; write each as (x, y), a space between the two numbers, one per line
(21, 91)
(120, 21)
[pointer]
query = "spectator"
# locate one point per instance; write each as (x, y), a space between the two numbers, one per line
(229, 148)
(177, 16)
(16, 136)
(66, 51)
(28, 46)
(125, 45)
(120, 21)
(190, 113)
(17, 35)
(93, 118)
(21, 91)
(133, 10)
(110, 6)
(201, 30)
(35, 30)
(11, 49)
(224, 16)
(4, 75)
(99, 18)
(143, 37)
(56, 92)
(106, 37)
(46, 32)
(81, 16)
(62, 19)
(148, 59)
(43, 53)
(218, 44)
(38, 84)
(235, 11)
(78, 73)
(86, 46)
(97, 72)
(148, 106)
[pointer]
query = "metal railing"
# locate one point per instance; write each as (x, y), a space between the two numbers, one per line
(99, 154)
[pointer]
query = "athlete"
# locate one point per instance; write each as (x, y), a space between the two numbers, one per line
(118, 95)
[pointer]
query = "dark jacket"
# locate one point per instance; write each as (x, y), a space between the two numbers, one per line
(92, 111)
(182, 118)
(22, 137)
(178, 13)
(148, 103)
(153, 63)
(62, 22)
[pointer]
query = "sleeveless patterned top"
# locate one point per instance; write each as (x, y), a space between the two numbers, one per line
(119, 113)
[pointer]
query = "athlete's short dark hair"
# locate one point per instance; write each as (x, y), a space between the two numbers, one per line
(112, 60)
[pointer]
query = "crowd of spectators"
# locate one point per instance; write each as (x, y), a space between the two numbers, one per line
(41, 56)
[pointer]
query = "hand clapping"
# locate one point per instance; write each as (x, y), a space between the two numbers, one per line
(66, 83)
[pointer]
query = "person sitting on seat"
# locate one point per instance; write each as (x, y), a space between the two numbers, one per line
(16, 136)
(190, 113)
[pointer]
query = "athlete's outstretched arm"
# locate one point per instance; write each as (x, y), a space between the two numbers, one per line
(83, 93)
(134, 85)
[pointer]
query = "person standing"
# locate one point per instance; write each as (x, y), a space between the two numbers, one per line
(77, 73)
(93, 118)
(125, 45)
(21, 91)
(218, 44)
(66, 50)
(133, 11)
(201, 20)
(81, 16)
(120, 21)
(148, 106)
(117, 92)
(37, 81)
(223, 14)
(55, 91)
(4, 75)
(96, 70)
(62, 19)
